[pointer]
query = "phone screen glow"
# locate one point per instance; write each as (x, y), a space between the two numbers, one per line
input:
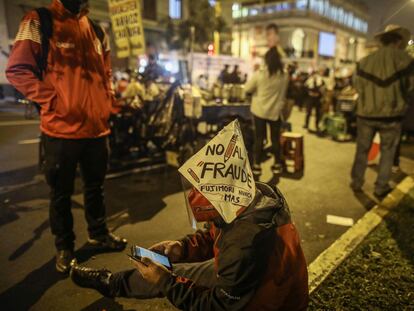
(142, 252)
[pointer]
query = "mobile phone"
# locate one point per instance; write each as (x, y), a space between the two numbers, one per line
(138, 253)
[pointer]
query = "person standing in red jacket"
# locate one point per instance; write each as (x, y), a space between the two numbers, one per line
(76, 98)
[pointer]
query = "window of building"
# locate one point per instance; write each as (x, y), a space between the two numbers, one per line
(301, 4)
(236, 10)
(149, 9)
(175, 9)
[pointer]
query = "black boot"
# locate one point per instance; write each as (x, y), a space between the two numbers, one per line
(110, 242)
(98, 279)
(63, 260)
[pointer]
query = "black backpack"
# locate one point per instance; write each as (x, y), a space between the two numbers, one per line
(46, 30)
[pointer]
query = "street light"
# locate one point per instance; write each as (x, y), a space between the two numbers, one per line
(398, 11)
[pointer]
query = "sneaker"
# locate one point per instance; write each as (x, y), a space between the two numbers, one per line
(277, 168)
(109, 241)
(98, 279)
(63, 260)
(257, 170)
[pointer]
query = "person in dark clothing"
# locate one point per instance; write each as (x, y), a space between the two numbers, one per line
(153, 71)
(76, 100)
(235, 75)
(314, 85)
(224, 76)
(248, 258)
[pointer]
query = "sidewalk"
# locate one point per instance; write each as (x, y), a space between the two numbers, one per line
(379, 273)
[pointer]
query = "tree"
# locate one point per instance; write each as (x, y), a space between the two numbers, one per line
(202, 18)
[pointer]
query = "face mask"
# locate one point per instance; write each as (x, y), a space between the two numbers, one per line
(75, 6)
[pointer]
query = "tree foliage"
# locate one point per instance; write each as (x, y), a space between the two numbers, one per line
(201, 16)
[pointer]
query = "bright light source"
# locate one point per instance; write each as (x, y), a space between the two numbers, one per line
(143, 62)
(168, 66)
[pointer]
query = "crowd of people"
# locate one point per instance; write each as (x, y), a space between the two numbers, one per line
(248, 256)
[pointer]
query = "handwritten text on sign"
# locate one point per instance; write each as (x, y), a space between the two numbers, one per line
(127, 27)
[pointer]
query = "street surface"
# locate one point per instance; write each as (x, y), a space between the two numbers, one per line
(145, 208)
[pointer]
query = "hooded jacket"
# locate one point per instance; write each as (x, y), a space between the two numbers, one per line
(258, 258)
(383, 81)
(75, 91)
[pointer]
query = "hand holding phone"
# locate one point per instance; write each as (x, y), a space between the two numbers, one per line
(152, 272)
(172, 249)
(137, 253)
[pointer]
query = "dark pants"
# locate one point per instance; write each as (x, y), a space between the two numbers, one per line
(61, 160)
(390, 135)
(311, 104)
(131, 284)
(260, 132)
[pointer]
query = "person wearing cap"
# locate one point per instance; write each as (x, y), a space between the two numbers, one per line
(247, 258)
(383, 81)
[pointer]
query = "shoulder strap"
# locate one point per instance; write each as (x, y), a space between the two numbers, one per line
(46, 30)
(98, 30)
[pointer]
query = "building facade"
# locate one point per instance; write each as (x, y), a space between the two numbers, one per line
(155, 14)
(312, 32)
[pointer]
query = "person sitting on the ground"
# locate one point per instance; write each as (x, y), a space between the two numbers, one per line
(250, 258)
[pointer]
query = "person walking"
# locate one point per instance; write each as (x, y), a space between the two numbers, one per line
(383, 81)
(268, 86)
(75, 94)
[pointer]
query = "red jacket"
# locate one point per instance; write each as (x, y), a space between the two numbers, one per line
(75, 93)
(260, 265)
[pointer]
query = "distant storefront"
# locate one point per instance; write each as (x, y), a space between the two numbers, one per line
(312, 32)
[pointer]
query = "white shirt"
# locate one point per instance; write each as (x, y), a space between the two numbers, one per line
(269, 94)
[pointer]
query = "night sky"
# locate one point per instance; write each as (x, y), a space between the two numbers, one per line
(380, 10)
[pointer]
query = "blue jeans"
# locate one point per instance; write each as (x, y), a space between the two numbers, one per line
(390, 133)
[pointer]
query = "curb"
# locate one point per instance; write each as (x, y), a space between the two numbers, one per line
(333, 256)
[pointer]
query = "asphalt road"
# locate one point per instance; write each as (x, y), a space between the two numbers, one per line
(146, 207)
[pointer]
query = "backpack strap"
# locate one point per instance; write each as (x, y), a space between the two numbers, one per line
(98, 30)
(46, 30)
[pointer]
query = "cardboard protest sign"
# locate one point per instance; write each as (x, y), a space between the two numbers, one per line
(221, 172)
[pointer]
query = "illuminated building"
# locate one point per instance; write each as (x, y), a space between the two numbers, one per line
(311, 31)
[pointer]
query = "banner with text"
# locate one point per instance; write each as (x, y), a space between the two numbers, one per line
(127, 27)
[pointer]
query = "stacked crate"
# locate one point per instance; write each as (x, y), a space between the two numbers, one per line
(292, 152)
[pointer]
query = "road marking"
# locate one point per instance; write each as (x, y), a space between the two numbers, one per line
(135, 170)
(29, 141)
(332, 257)
(339, 220)
(17, 187)
(16, 123)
